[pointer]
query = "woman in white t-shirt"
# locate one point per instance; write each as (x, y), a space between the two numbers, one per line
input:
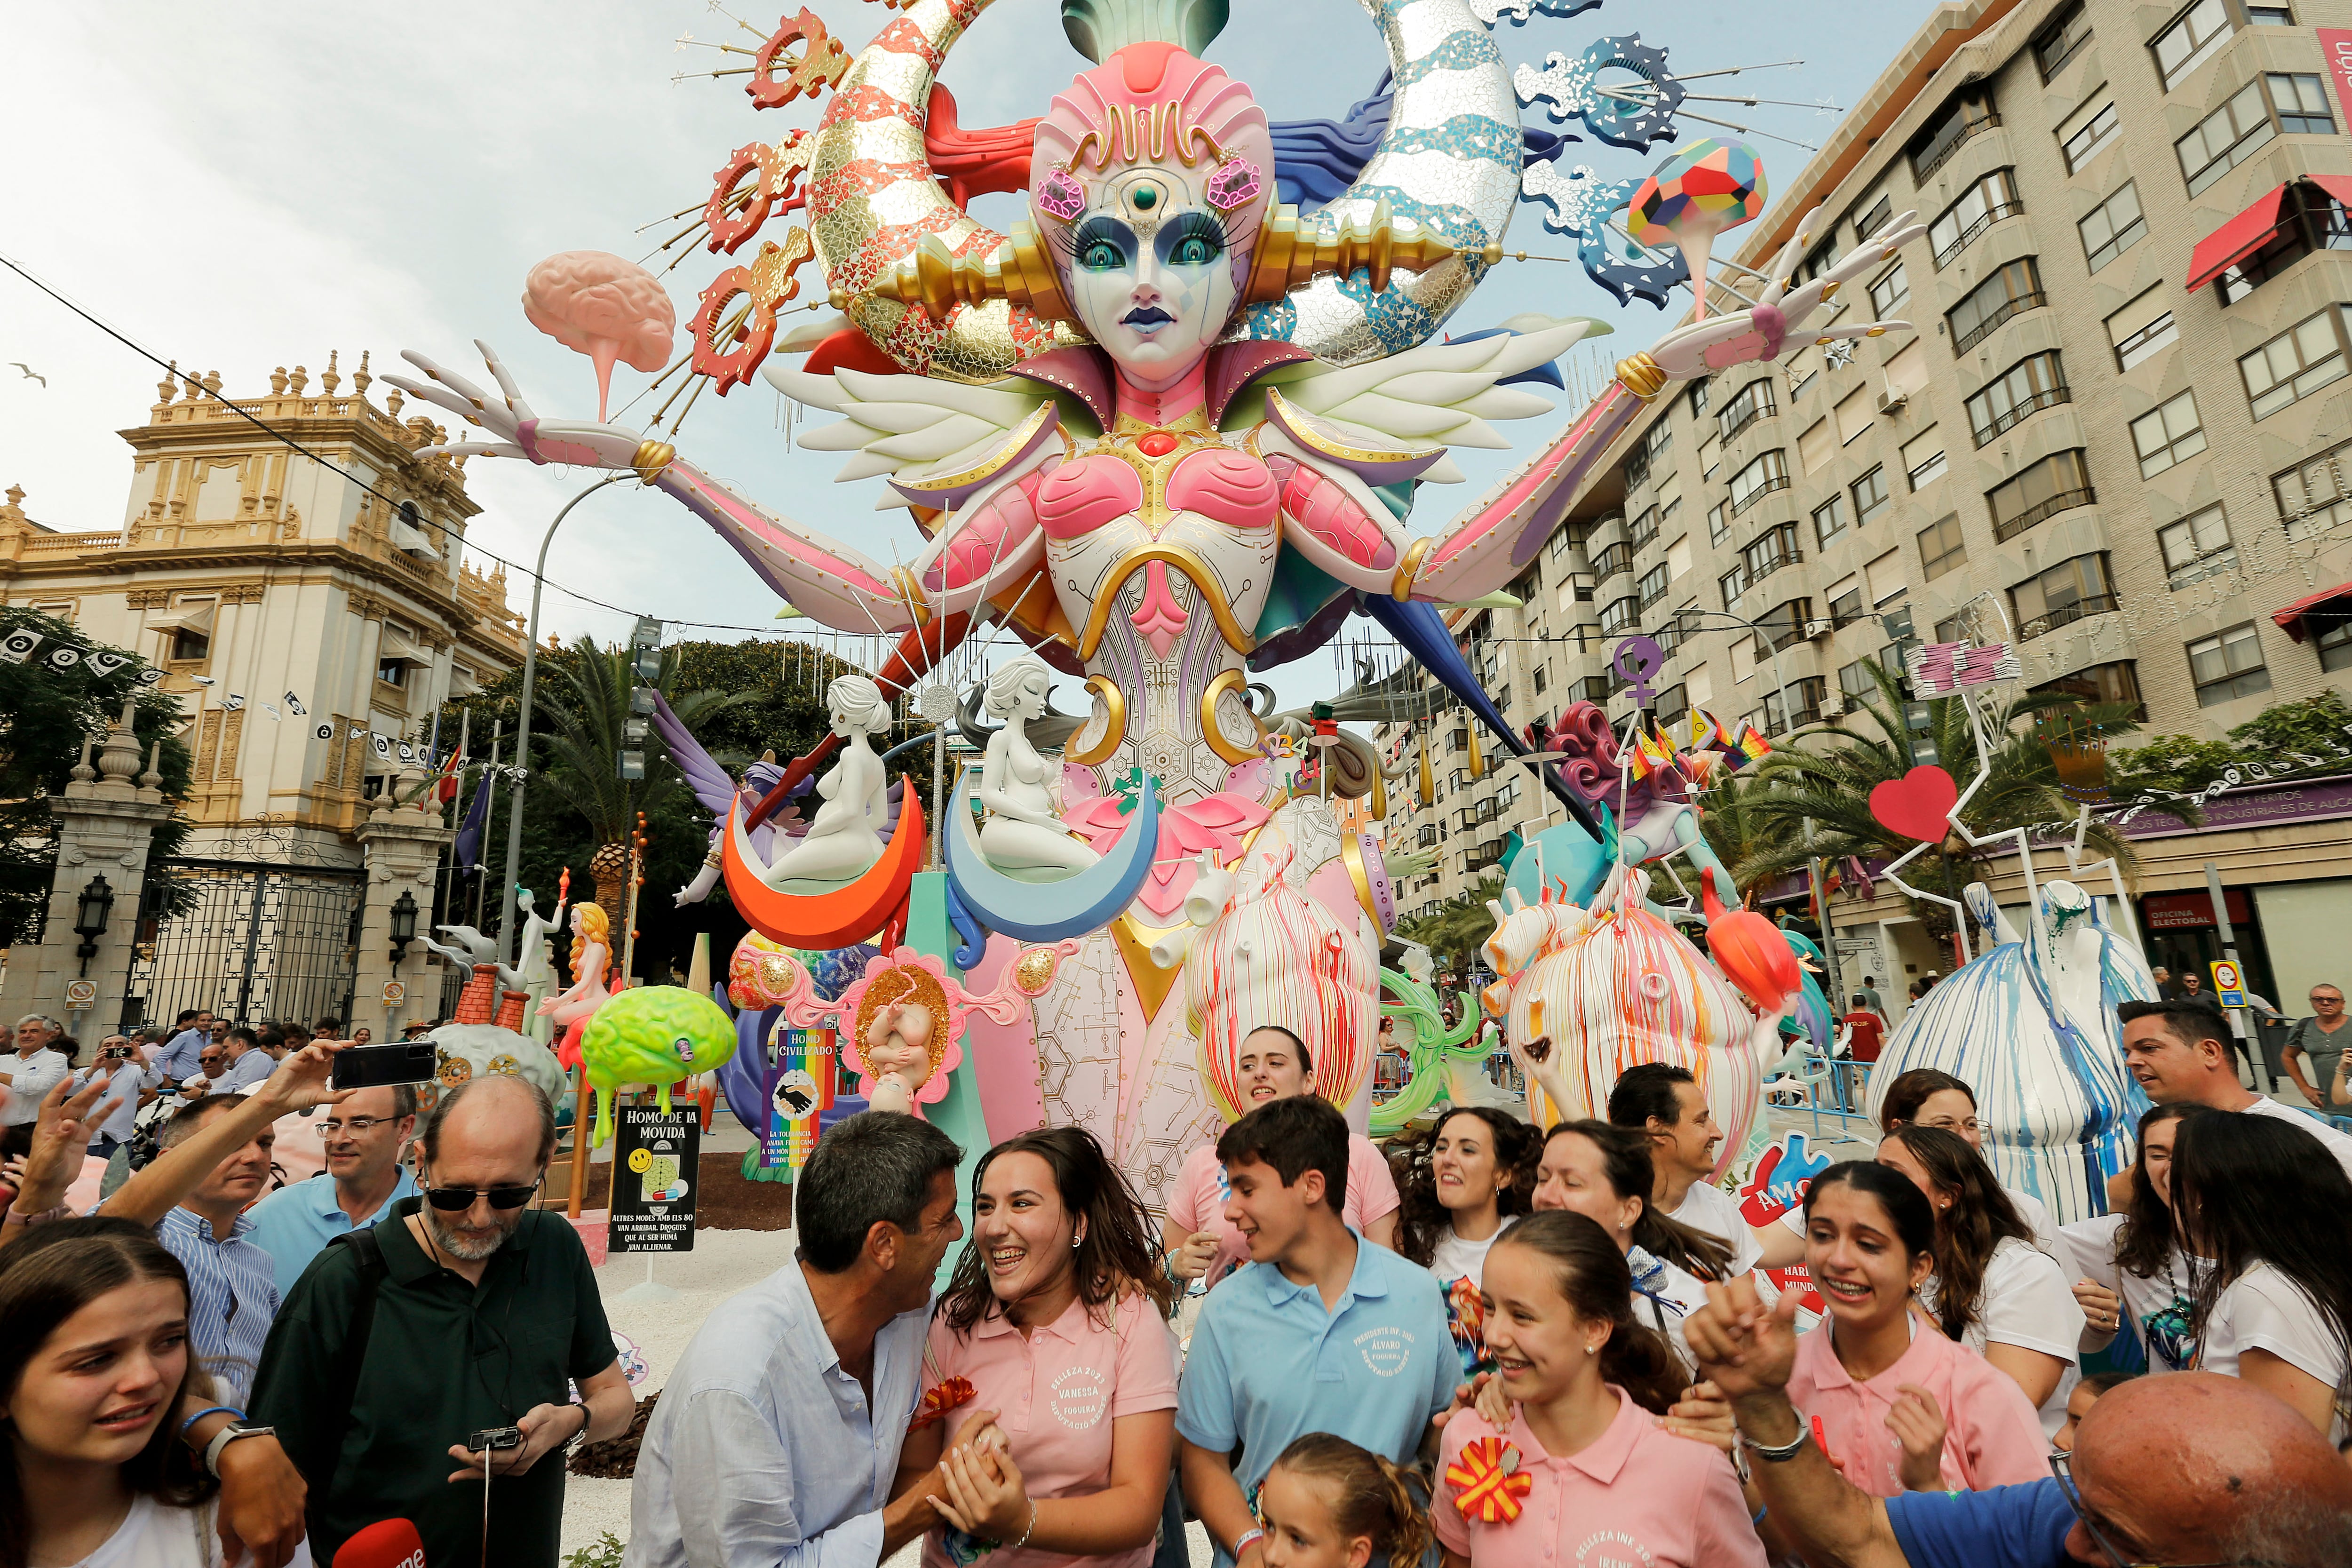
(1201, 1243)
(94, 1362)
(1994, 1289)
(2128, 1266)
(1457, 1187)
(2276, 1307)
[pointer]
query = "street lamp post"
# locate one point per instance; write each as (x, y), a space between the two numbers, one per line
(522, 724)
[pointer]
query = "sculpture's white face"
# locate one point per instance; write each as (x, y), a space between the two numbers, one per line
(1029, 702)
(1150, 275)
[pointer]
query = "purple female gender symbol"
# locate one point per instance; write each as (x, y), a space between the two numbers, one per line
(1636, 659)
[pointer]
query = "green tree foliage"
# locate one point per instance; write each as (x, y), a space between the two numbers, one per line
(45, 716)
(2310, 736)
(1827, 783)
(1457, 928)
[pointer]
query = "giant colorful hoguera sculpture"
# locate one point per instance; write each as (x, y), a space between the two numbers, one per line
(1165, 431)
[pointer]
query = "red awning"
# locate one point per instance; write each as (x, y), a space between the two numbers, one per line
(2336, 186)
(2235, 240)
(2292, 617)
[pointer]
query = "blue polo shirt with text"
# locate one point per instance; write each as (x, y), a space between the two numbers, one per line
(1268, 1365)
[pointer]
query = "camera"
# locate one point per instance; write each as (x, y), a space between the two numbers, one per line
(115, 1054)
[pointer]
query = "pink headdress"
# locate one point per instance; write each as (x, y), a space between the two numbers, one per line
(1152, 100)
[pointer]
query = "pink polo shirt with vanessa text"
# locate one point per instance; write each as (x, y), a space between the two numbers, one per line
(1636, 1495)
(1993, 1436)
(1197, 1200)
(1057, 1392)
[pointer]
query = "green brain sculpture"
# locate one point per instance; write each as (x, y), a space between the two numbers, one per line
(653, 1034)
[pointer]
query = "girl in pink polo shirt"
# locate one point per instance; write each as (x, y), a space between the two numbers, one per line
(1459, 1186)
(1584, 1473)
(1897, 1405)
(1056, 1322)
(1201, 1243)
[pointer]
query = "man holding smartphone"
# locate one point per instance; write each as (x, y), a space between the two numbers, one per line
(131, 1086)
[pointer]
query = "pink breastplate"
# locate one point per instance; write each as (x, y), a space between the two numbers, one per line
(1153, 477)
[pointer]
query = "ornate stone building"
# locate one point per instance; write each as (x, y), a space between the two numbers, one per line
(297, 615)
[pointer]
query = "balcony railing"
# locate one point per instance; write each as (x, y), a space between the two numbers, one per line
(1991, 216)
(1646, 531)
(1987, 327)
(2064, 500)
(1759, 569)
(2005, 422)
(1939, 156)
(1749, 416)
(1779, 482)
(2066, 615)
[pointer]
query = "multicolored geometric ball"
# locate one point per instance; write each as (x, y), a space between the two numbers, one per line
(1711, 187)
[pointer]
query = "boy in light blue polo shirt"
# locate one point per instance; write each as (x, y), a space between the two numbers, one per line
(1319, 1332)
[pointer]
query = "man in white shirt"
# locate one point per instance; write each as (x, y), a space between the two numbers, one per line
(131, 1086)
(2180, 1053)
(1666, 1103)
(33, 1071)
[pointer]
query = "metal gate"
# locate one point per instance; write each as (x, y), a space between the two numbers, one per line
(264, 944)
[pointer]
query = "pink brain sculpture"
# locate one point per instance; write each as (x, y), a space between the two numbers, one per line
(595, 303)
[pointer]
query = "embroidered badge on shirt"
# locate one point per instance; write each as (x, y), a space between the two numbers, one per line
(1488, 1481)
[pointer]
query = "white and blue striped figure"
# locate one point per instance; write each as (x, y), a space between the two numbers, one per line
(2030, 1026)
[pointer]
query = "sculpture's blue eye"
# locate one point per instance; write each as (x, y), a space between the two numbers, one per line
(1192, 239)
(1103, 245)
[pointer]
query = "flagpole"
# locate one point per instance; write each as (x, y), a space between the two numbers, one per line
(448, 853)
(489, 781)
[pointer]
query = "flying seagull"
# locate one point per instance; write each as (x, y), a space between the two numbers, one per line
(30, 374)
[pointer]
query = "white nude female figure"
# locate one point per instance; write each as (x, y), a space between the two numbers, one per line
(1023, 831)
(846, 840)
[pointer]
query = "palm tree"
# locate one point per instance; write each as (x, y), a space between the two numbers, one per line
(588, 705)
(1455, 929)
(1813, 800)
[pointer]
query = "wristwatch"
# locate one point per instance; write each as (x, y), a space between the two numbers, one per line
(1777, 1454)
(225, 1437)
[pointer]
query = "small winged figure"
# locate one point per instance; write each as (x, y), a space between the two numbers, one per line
(1783, 311)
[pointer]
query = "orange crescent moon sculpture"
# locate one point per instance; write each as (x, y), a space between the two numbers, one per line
(848, 914)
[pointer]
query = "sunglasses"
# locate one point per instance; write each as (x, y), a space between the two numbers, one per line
(449, 1200)
(2063, 1466)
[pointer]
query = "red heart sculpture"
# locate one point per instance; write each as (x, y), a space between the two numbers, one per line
(1919, 805)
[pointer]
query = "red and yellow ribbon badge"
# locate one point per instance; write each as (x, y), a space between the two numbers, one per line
(1484, 1490)
(940, 1399)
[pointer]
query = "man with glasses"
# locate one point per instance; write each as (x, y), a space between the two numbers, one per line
(462, 1311)
(2315, 1051)
(2188, 1470)
(362, 1139)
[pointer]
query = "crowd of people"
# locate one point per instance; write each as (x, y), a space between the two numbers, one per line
(1486, 1344)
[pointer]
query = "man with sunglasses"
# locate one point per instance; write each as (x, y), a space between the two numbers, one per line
(2189, 1470)
(463, 1309)
(362, 1139)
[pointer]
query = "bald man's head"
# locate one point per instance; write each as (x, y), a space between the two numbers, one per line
(498, 1110)
(2198, 1468)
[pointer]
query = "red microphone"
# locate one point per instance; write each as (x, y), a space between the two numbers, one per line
(386, 1543)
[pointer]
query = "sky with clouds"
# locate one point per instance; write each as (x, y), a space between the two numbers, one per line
(248, 187)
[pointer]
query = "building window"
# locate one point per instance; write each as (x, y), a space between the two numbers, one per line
(1654, 444)
(1770, 550)
(2309, 219)
(2313, 497)
(1971, 114)
(1760, 478)
(1618, 557)
(2228, 666)
(2056, 47)
(1923, 457)
(1890, 293)
(1539, 679)
(1646, 527)
(2142, 328)
(393, 672)
(1751, 403)
(2168, 433)
(1873, 220)
(1562, 537)
(1778, 628)
(1941, 548)
(2118, 683)
(1846, 607)
(2197, 546)
(1718, 523)
(1732, 584)
(2014, 288)
(1698, 396)
(1828, 519)
(2190, 39)
(2056, 483)
(1980, 206)
(1619, 615)
(2295, 363)
(2033, 383)
(2225, 137)
(188, 646)
(2335, 644)
(2082, 144)
(2114, 226)
(1856, 681)
(1869, 496)
(1653, 585)
(2062, 595)
(2299, 99)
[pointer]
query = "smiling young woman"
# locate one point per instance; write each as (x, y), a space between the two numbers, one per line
(1049, 1381)
(2128, 1264)
(1472, 1174)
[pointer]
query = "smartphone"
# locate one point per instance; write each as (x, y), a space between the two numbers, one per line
(491, 1438)
(368, 1067)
